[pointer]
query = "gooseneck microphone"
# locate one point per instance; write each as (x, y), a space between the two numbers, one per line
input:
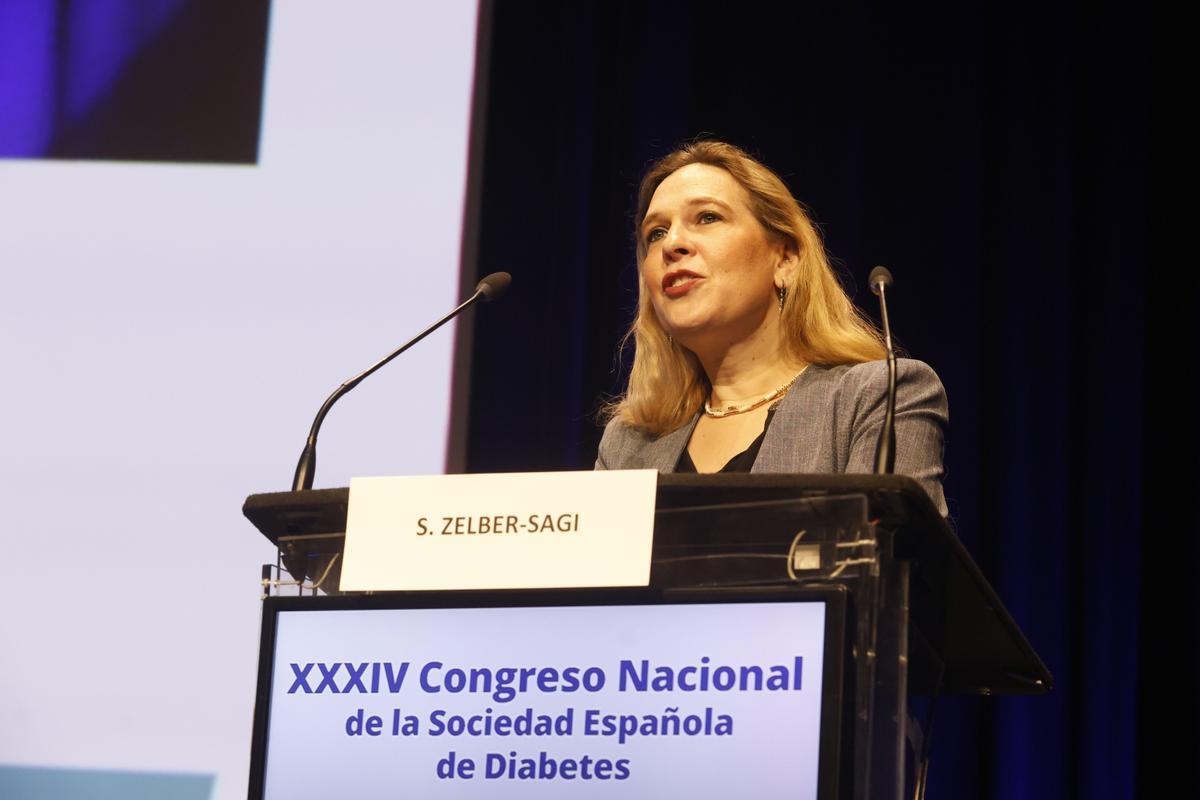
(885, 449)
(490, 288)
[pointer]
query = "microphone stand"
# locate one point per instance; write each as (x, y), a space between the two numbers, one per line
(490, 288)
(885, 448)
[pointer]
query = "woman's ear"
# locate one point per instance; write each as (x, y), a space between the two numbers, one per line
(785, 267)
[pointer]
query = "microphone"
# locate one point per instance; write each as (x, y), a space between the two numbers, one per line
(885, 449)
(493, 286)
(490, 288)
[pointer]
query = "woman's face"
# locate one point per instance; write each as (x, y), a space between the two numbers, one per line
(710, 267)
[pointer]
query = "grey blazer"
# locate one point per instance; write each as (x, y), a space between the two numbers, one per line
(828, 422)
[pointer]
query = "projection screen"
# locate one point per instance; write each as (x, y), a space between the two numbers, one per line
(168, 331)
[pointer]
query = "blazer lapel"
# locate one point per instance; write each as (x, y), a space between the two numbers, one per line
(665, 451)
(782, 447)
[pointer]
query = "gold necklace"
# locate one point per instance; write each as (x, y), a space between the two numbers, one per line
(748, 405)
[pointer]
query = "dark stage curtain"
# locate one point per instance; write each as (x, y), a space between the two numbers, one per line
(1026, 173)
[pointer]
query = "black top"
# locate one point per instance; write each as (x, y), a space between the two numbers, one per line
(742, 462)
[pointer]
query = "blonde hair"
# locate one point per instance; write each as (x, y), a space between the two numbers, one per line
(820, 324)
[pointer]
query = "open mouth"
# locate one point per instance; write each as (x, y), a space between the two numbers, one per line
(679, 283)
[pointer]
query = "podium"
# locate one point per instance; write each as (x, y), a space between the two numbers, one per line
(907, 611)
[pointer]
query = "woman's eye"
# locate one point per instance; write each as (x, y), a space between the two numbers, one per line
(708, 216)
(654, 235)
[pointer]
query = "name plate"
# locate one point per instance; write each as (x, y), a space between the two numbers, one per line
(530, 530)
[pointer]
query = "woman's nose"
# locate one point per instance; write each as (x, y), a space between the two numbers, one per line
(676, 243)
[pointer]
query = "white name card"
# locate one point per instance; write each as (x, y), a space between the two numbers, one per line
(531, 530)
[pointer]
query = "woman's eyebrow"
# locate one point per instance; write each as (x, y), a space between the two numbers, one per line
(706, 200)
(650, 218)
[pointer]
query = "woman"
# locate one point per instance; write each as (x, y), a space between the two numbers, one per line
(749, 356)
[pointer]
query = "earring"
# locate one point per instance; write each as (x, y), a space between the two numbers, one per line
(782, 295)
(670, 340)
